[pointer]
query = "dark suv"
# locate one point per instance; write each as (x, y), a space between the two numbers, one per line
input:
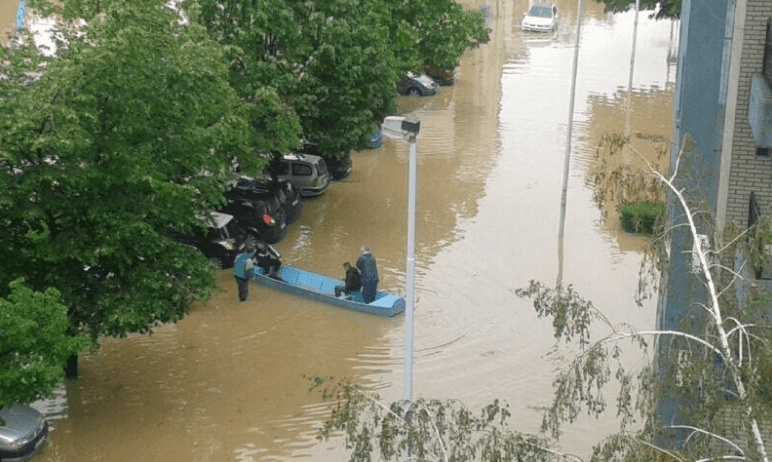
(288, 195)
(259, 212)
(221, 241)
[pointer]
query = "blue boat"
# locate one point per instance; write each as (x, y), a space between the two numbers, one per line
(322, 288)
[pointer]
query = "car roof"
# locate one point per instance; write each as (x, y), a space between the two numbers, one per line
(309, 157)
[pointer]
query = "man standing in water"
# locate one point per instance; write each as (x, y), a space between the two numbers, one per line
(241, 268)
(369, 269)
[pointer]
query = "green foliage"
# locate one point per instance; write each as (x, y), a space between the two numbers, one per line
(337, 63)
(34, 343)
(665, 9)
(426, 429)
(641, 217)
(127, 136)
(579, 387)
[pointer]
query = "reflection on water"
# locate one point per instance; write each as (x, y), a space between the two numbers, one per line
(230, 382)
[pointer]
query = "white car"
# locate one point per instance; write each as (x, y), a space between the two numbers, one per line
(542, 17)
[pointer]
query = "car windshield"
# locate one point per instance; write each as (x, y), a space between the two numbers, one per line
(540, 12)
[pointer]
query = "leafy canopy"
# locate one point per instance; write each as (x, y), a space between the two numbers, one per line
(34, 343)
(338, 63)
(124, 140)
(664, 9)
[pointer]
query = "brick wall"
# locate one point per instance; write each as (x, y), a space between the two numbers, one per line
(749, 172)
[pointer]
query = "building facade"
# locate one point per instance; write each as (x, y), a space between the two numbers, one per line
(722, 143)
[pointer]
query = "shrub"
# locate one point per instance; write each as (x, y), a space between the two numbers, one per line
(640, 217)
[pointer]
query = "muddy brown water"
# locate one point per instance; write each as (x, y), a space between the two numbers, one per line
(8, 14)
(228, 383)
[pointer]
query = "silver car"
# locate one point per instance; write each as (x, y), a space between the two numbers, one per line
(417, 85)
(307, 172)
(23, 434)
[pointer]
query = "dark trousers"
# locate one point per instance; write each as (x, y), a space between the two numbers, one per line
(269, 265)
(368, 290)
(243, 288)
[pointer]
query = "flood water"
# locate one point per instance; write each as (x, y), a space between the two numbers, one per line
(8, 14)
(228, 383)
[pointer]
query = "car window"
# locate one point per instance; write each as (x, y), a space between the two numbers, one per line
(284, 168)
(541, 12)
(301, 169)
(254, 205)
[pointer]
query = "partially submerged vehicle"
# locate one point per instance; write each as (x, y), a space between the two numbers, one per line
(541, 17)
(221, 240)
(22, 433)
(417, 85)
(306, 171)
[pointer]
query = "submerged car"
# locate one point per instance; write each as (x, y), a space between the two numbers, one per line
(542, 17)
(259, 213)
(287, 194)
(376, 140)
(22, 434)
(417, 85)
(307, 172)
(339, 166)
(221, 240)
(444, 77)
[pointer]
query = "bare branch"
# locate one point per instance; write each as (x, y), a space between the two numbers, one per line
(722, 458)
(437, 431)
(657, 448)
(696, 430)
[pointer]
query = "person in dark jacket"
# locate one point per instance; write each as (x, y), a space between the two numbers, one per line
(268, 259)
(241, 268)
(369, 269)
(353, 281)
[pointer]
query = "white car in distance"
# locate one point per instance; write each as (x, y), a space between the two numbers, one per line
(542, 17)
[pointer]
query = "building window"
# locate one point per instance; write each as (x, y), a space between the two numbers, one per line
(762, 152)
(754, 211)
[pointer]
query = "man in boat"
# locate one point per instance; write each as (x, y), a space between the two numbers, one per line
(353, 281)
(268, 259)
(369, 269)
(241, 268)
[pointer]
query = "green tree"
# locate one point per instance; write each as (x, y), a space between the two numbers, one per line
(665, 9)
(440, 32)
(125, 139)
(34, 343)
(328, 60)
(338, 63)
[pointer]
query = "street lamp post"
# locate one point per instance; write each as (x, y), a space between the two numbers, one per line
(399, 127)
(412, 128)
